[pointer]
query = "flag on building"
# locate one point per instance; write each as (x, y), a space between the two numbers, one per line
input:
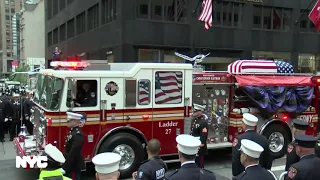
(206, 14)
(260, 66)
(173, 11)
(314, 15)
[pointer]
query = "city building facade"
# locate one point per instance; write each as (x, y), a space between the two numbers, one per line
(152, 30)
(16, 36)
(32, 41)
(8, 8)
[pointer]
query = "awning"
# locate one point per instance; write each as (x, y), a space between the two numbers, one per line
(253, 80)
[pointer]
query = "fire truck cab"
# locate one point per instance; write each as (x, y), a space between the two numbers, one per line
(128, 104)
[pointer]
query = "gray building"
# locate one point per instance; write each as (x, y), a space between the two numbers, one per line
(16, 36)
(152, 30)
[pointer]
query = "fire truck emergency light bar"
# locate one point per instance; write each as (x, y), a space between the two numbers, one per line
(68, 64)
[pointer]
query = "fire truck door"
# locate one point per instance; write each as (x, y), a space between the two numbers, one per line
(112, 103)
(168, 107)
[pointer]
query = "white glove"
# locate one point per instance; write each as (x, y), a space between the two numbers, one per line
(63, 171)
(27, 117)
(6, 119)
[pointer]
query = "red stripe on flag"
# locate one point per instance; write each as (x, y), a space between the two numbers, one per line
(206, 14)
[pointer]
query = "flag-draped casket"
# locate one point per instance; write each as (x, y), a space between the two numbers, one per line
(265, 93)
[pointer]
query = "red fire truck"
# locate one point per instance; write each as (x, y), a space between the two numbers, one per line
(139, 101)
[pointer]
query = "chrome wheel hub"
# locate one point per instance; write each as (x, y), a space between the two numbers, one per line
(276, 142)
(127, 155)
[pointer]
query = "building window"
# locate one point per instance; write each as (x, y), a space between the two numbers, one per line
(62, 32)
(8, 54)
(165, 95)
(144, 92)
(169, 57)
(13, 10)
(109, 11)
(306, 25)
(69, 1)
(81, 23)
(55, 7)
(7, 9)
(149, 55)
(227, 14)
(7, 17)
(306, 63)
(6, 2)
(281, 56)
(55, 36)
(49, 9)
(12, 3)
(62, 4)
(93, 17)
(70, 29)
(175, 10)
(271, 18)
(49, 36)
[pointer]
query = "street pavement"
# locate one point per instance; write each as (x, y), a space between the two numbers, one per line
(218, 161)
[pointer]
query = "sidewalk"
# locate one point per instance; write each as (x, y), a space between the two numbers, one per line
(7, 151)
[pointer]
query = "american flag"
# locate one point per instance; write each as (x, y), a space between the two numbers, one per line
(180, 7)
(168, 87)
(206, 14)
(260, 66)
(144, 92)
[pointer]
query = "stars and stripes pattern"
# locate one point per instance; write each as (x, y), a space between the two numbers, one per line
(168, 87)
(206, 14)
(259, 66)
(144, 92)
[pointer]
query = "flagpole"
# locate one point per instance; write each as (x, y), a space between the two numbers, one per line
(298, 20)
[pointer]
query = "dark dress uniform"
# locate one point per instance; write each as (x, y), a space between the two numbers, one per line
(190, 171)
(152, 169)
(292, 156)
(308, 166)
(87, 98)
(265, 159)
(255, 172)
(3, 110)
(15, 128)
(74, 159)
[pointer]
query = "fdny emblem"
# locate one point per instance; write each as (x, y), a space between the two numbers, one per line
(292, 172)
(290, 148)
(235, 142)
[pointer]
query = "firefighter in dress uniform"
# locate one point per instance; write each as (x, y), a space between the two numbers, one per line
(308, 166)
(16, 107)
(249, 123)
(187, 150)
(7, 99)
(74, 143)
(199, 129)
(27, 112)
(299, 127)
(107, 170)
(3, 119)
(55, 159)
(250, 153)
(154, 168)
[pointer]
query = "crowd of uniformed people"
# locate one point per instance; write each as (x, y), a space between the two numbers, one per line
(15, 110)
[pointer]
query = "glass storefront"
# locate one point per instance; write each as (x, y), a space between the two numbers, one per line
(307, 63)
(281, 56)
(217, 63)
(149, 55)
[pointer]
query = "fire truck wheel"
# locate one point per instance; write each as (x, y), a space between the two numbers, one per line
(278, 139)
(129, 147)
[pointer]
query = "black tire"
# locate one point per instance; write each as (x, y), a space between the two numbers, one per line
(278, 128)
(128, 139)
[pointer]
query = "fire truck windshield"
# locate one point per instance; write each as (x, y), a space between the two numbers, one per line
(48, 91)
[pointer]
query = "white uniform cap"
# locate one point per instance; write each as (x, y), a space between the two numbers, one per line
(251, 148)
(54, 153)
(198, 107)
(106, 162)
(188, 144)
(74, 116)
(250, 119)
(16, 95)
